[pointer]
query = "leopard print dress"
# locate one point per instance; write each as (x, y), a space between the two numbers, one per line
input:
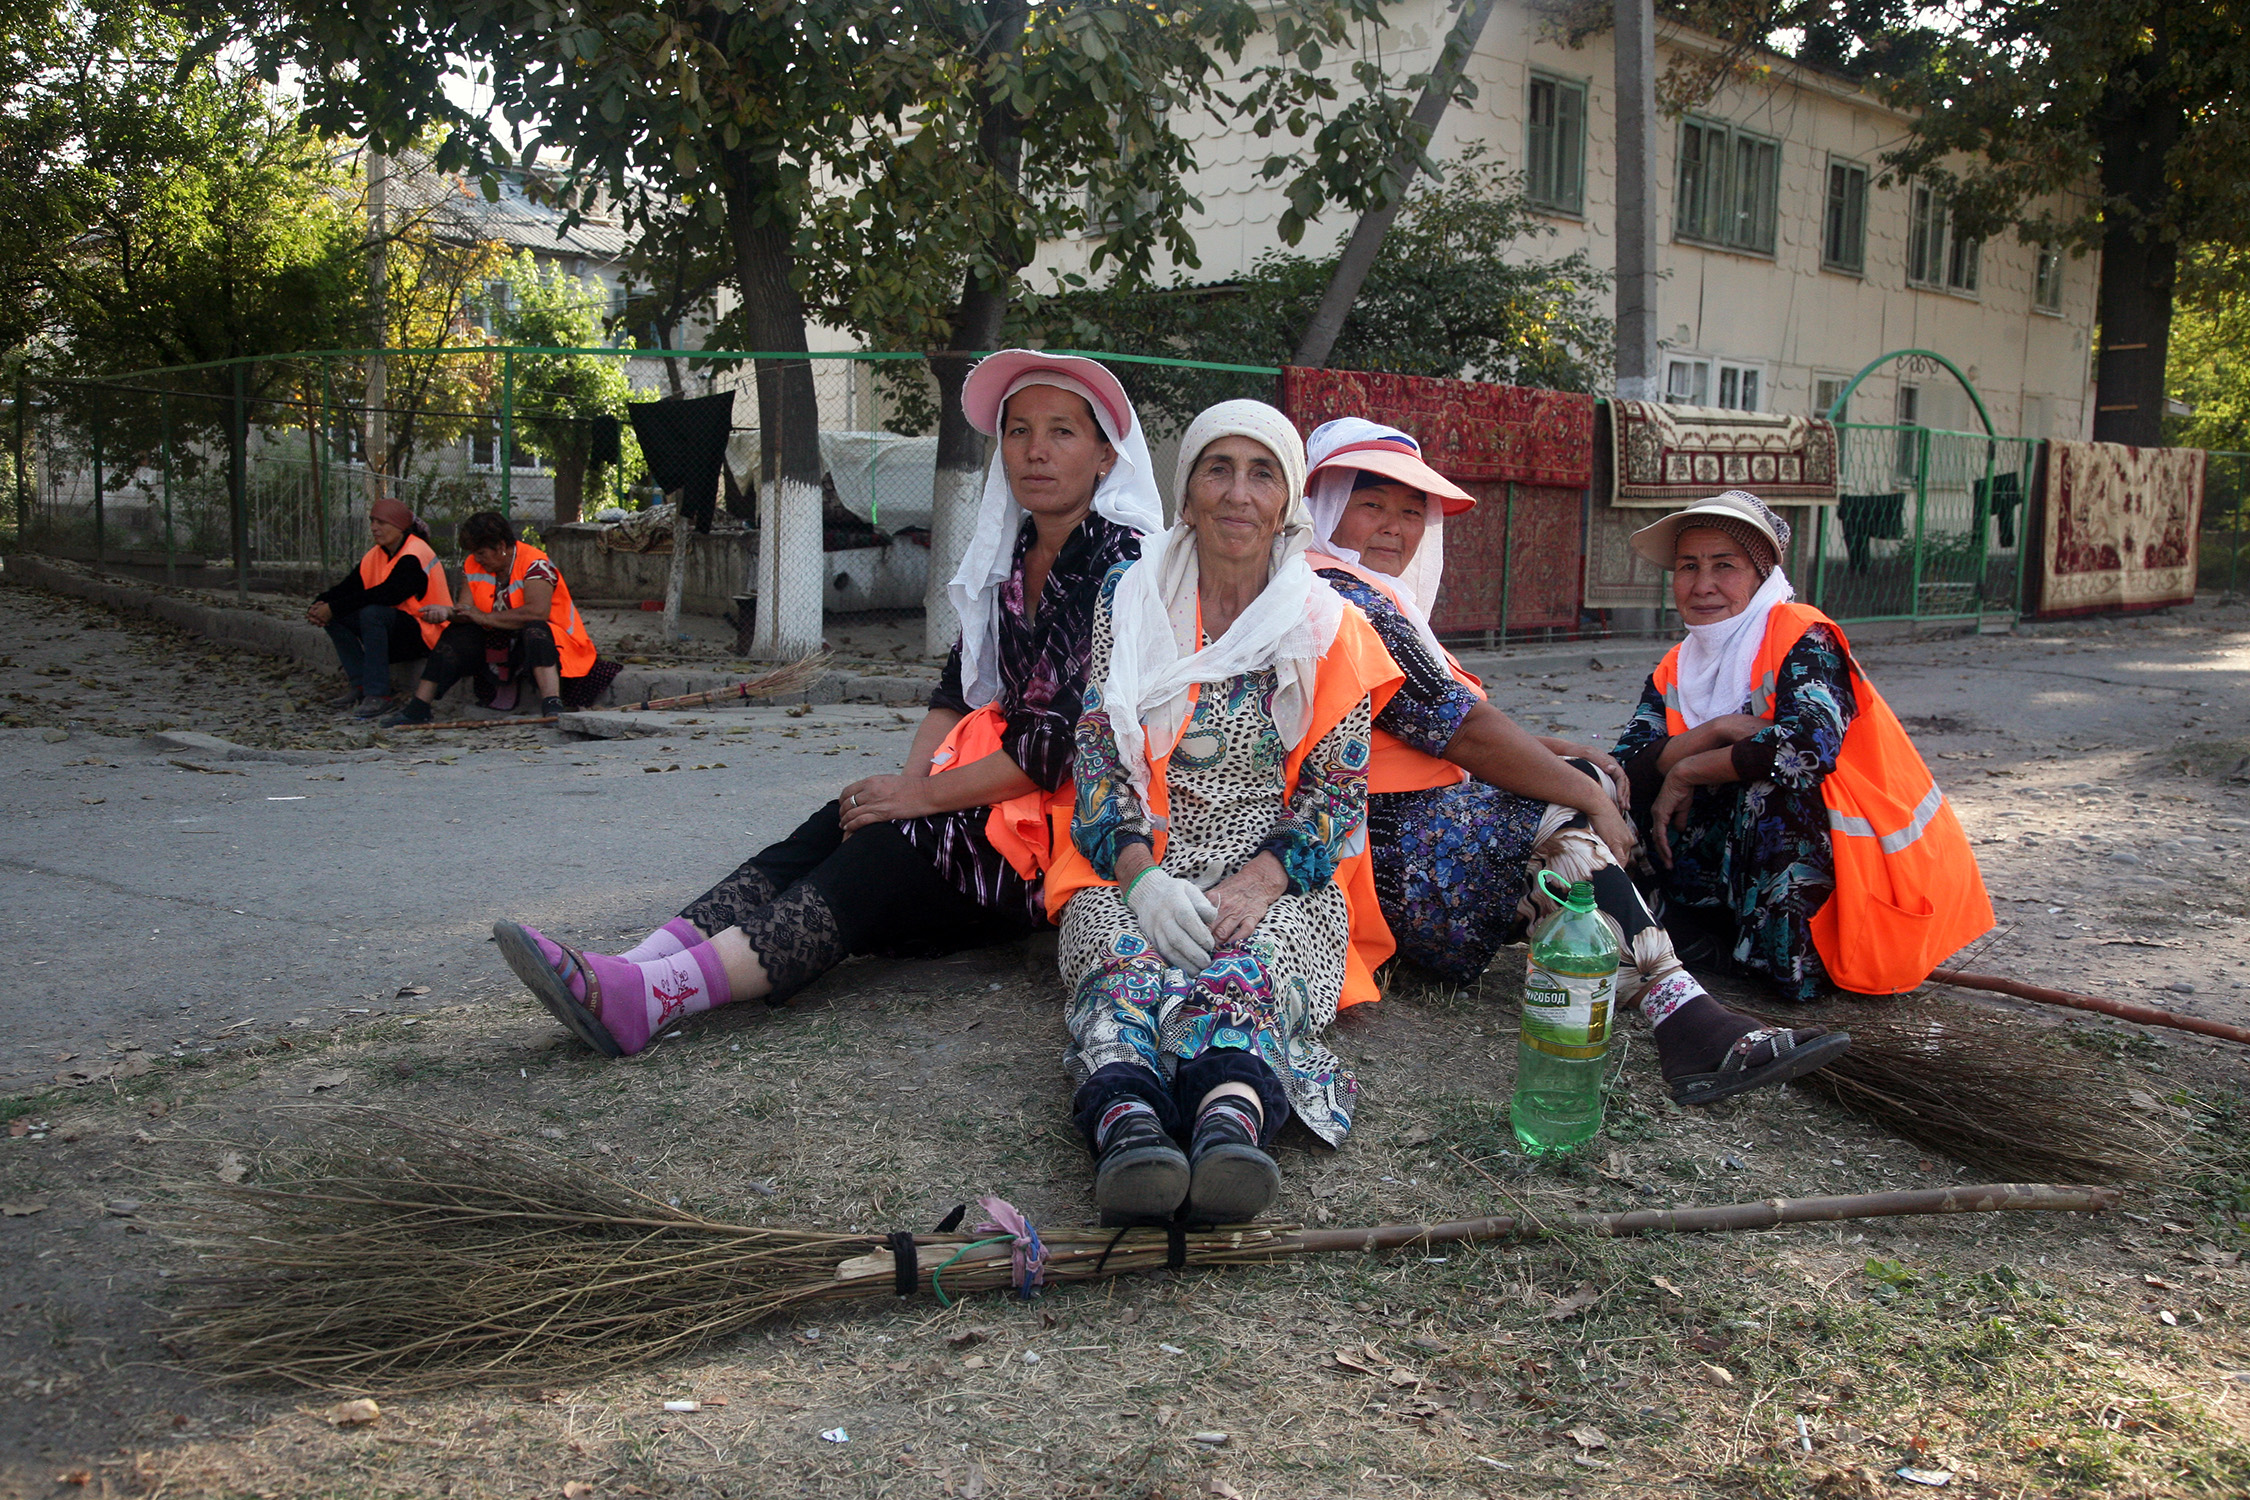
(1272, 996)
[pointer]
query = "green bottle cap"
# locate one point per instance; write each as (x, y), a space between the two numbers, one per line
(1581, 897)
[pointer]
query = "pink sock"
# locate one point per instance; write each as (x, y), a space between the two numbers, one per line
(675, 936)
(641, 999)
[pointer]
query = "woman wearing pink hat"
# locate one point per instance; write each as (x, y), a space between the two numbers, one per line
(1463, 806)
(951, 852)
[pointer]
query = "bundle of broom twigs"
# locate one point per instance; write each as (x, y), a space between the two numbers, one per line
(790, 677)
(442, 1256)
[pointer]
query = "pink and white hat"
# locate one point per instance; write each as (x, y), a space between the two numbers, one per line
(998, 376)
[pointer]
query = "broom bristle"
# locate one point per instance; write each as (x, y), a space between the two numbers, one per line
(1993, 1096)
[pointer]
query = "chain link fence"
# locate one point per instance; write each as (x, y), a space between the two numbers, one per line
(254, 475)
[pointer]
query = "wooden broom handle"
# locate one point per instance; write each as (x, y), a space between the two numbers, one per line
(2146, 1015)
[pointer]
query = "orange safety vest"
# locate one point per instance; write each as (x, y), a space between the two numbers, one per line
(1392, 764)
(1021, 828)
(1355, 666)
(572, 643)
(1908, 892)
(377, 564)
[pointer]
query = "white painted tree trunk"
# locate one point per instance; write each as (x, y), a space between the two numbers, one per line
(953, 516)
(789, 572)
(675, 585)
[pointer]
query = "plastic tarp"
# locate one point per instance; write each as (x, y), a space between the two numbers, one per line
(882, 478)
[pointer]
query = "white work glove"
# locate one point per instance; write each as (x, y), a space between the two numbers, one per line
(1175, 917)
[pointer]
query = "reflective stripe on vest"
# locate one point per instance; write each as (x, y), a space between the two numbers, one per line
(1897, 839)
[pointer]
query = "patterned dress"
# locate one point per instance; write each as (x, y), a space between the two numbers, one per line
(1271, 997)
(1754, 860)
(1449, 861)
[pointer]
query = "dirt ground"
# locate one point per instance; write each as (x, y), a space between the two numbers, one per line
(2024, 1355)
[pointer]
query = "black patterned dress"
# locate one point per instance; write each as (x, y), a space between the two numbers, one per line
(1754, 862)
(1450, 862)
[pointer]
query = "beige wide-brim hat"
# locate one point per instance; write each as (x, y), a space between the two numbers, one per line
(1658, 543)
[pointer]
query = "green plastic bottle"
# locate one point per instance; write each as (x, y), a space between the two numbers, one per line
(1567, 995)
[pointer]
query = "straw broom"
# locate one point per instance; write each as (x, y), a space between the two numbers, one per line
(445, 1257)
(790, 677)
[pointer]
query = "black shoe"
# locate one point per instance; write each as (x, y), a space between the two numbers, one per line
(551, 707)
(415, 711)
(1142, 1176)
(344, 702)
(1231, 1181)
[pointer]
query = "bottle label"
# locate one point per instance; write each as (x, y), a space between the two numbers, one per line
(1567, 1015)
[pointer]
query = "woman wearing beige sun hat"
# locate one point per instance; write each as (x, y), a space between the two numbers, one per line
(1794, 828)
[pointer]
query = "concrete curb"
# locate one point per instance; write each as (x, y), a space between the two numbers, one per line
(251, 630)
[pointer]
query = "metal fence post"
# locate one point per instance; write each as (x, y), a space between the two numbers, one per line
(164, 424)
(94, 427)
(507, 453)
(1921, 505)
(1820, 557)
(238, 479)
(23, 487)
(319, 475)
(1507, 558)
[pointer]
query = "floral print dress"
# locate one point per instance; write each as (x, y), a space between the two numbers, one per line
(1270, 997)
(1755, 854)
(1450, 862)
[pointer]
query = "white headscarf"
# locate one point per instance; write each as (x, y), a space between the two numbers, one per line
(1127, 495)
(1716, 659)
(1155, 652)
(1331, 491)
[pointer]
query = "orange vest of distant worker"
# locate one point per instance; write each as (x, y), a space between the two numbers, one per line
(377, 564)
(1355, 666)
(1392, 764)
(1908, 893)
(572, 643)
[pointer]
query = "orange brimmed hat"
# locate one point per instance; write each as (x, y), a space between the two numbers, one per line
(1349, 443)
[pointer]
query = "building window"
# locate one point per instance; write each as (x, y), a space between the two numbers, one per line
(1826, 389)
(2047, 279)
(1687, 382)
(1909, 430)
(1729, 187)
(1938, 254)
(1843, 238)
(1555, 149)
(1738, 387)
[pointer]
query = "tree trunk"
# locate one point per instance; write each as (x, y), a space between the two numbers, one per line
(977, 323)
(789, 570)
(2138, 125)
(1366, 243)
(570, 483)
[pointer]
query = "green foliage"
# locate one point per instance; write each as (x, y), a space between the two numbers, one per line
(1450, 295)
(555, 394)
(152, 217)
(2210, 329)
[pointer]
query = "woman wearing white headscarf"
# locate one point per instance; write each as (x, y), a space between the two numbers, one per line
(952, 851)
(1797, 833)
(1463, 806)
(1221, 801)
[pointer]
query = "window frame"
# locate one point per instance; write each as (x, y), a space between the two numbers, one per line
(1744, 375)
(1719, 207)
(1700, 372)
(1949, 261)
(1571, 200)
(1831, 203)
(1835, 385)
(2047, 280)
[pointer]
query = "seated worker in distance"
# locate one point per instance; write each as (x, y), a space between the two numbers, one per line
(1796, 832)
(519, 618)
(373, 614)
(1221, 808)
(1463, 806)
(950, 853)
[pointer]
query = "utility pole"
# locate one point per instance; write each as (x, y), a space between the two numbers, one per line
(1640, 376)
(378, 289)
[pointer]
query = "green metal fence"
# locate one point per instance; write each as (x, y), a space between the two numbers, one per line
(1928, 525)
(2223, 550)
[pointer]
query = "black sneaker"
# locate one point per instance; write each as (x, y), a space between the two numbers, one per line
(1142, 1175)
(550, 707)
(414, 711)
(1231, 1181)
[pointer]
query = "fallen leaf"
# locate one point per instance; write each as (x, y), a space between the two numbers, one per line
(1584, 1462)
(409, 991)
(973, 1362)
(1665, 1286)
(232, 1168)
(577, 1489)
(358, 1413)
(1222, 1489)
(968, 1337)
(22, 1208)
(1591, 1439)
(75, 1477)
(19, 1128)
(334, 1079)
(1585, 1296)
(136, 1064)
(1718, 1375)
(1353, 1359)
